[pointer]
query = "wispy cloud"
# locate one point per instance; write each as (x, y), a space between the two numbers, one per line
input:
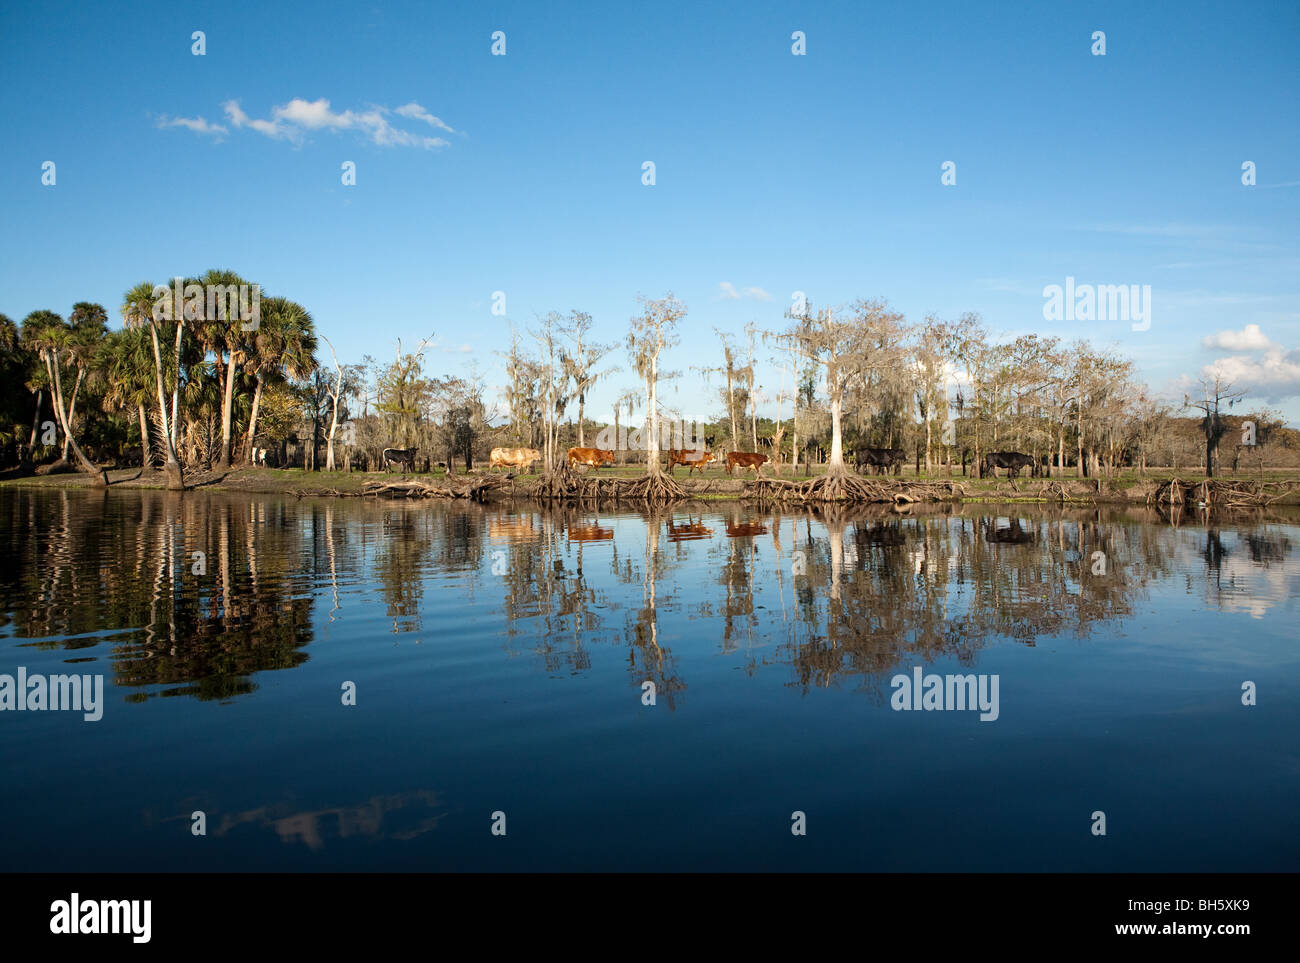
(240, 119)
(727, 292)
(199, 125)
(1010, 286)
(416, 112)
(1162, 230)
(292, 121)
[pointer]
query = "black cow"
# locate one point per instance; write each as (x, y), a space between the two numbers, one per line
(881, 459)
(1012, 461)
(400, 456)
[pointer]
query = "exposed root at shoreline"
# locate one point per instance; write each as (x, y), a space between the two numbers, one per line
(1220, 493)
(844, 487)
(565, 483)
(475, 487)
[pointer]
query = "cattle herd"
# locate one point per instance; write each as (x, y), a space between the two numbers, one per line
(881, 459)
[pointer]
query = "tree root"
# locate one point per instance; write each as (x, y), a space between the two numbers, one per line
(565, 483)
(844, 487)
(475, 488)
(1220, 493)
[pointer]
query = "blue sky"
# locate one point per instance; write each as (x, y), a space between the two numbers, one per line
(774, 172)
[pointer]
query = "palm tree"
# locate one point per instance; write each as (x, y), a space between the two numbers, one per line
(138, 312)
(126, 364)
(231, 344)
(201, 400)
(284, 346)
(15, 362)
(56, 343)
(88, 323)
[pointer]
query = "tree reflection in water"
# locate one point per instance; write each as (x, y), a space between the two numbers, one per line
(839, 595)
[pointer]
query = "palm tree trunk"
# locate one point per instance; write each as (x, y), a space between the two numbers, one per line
(36, 421)
(176, 389)
(72, 409)
(144, 440)
(175, 480)
(97, 474)
(227, 409)
(252, 421)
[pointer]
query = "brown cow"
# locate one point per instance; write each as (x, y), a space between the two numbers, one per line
(594, 457)
(514, 457)
(747, 459)
(692, 458)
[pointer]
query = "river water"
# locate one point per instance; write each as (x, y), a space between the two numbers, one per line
(355, 684)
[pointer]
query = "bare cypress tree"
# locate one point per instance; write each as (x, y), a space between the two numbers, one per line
(1215, 391)
(845, 348)
(580, 363)
(649, 334)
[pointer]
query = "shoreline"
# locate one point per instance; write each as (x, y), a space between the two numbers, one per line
(300, 483)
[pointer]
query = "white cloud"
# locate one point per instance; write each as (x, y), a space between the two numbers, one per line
(199, 125)
(240, 119)
(291, 120)
(1274, 377)
(312, 114)
(1249, 338)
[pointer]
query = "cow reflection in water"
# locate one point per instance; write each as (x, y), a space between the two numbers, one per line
(688, 532)
(512, 528)
(745, 529)
(590, 533)
(1011, 534)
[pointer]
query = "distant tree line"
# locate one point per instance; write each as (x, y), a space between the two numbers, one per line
(194, 387)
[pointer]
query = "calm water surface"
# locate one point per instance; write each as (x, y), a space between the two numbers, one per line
(499, 656)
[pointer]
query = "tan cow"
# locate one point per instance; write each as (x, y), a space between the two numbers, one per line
(514, 458)
(594, 457)
(692, 458)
